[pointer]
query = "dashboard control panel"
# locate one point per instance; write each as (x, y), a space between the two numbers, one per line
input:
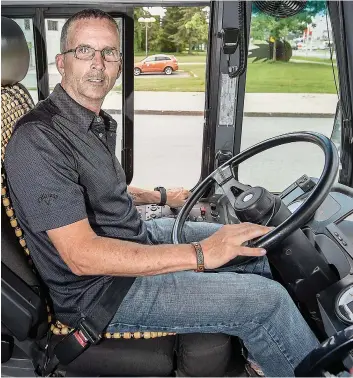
(200, 213)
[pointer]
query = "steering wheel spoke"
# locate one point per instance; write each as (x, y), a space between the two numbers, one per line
(231, 187)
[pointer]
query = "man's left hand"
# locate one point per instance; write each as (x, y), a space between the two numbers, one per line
(176, 197)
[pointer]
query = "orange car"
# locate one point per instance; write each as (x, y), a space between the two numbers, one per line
(156, 63)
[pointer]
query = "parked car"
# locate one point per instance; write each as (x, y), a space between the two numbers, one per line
(156, 63)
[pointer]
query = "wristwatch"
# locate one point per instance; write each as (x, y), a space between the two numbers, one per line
(163, 192)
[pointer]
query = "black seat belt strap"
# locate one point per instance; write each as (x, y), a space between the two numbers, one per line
(89, 330)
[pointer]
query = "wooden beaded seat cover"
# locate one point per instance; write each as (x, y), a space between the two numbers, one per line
(15, 103)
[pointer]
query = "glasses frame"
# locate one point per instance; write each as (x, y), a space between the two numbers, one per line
(101, 53)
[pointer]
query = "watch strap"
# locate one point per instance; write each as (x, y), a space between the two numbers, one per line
(163, 192)
(199, 257)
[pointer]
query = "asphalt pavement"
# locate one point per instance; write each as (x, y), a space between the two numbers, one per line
(168, 151)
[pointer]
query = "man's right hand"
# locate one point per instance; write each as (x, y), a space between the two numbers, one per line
(226, 244)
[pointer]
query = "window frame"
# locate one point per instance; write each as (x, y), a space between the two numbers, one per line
(163, 58)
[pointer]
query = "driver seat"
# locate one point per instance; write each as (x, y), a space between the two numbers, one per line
(26, 318)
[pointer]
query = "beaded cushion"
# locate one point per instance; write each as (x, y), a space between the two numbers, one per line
(15, 103)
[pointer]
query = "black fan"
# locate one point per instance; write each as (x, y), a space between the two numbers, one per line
(281, 9)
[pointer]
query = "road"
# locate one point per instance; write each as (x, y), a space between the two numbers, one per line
(324, 54)
(158, 75)
(168, 151)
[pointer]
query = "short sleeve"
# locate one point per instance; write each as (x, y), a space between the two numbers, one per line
(42, 178)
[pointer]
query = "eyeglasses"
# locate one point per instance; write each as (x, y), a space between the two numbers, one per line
(88, 53)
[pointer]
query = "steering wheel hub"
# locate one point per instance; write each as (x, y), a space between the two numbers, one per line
(254, 204)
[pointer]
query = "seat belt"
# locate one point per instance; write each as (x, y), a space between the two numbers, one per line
(89, 329)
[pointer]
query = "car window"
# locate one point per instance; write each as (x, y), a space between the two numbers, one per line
(163, 58)
(150, 59)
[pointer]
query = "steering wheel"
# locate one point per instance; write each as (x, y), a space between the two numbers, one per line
(224, 177)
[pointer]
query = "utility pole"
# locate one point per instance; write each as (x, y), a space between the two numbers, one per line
(146, 21)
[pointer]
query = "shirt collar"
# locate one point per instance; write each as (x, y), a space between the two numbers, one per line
(76, 113)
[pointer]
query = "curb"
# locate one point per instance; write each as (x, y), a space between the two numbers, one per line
(289, 115)
(246, 114)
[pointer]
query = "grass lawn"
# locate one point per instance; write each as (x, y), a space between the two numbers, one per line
(289, 77)
(182, 58)
(262, 77)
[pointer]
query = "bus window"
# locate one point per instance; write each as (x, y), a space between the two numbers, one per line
(113, 101)
(30, 81)
(169, 95)
(291, 88)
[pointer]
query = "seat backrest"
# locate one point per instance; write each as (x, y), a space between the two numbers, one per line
(23, 307)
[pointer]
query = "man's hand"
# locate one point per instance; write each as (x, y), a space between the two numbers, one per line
(226, 244)
(176, 197)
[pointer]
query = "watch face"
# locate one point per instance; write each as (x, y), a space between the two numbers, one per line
(344, 305)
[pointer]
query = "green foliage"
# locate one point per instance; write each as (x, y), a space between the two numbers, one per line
(139, 28)
(170, 23)
(192, 28)
(264, 26)
(180, 28)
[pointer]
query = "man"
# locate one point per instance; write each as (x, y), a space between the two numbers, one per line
(70, 196)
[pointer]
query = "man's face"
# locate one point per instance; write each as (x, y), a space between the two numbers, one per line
(87, 80)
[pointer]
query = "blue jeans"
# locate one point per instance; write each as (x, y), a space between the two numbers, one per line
(250, 306)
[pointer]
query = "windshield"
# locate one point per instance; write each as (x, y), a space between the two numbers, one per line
(290, 86)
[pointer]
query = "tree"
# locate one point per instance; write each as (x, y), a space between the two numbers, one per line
(170, 24)
(193, 28)
(154, 35)
(139, 28)
(272, 29)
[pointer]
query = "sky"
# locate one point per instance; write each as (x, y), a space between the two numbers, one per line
(155, 11)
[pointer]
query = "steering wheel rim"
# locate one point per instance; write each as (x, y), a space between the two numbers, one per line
(297, 219)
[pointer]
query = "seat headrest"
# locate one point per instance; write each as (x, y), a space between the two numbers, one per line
(14, 52)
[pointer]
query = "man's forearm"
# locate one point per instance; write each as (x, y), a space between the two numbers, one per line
(144, 197)
(123, 258)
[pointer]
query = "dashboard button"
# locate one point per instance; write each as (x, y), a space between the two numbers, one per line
(344, 243)
(335, 233)
(339, 238)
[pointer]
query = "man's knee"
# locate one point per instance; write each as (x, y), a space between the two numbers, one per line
(274, 297)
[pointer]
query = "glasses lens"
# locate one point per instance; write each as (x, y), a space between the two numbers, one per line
(84, 52)
(111, 55)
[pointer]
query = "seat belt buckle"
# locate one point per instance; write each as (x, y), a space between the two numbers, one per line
(87, 330)
(76, 342)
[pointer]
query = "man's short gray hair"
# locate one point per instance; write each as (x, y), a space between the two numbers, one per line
(82, 15)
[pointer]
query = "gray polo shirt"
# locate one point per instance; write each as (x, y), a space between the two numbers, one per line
(61, 168)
